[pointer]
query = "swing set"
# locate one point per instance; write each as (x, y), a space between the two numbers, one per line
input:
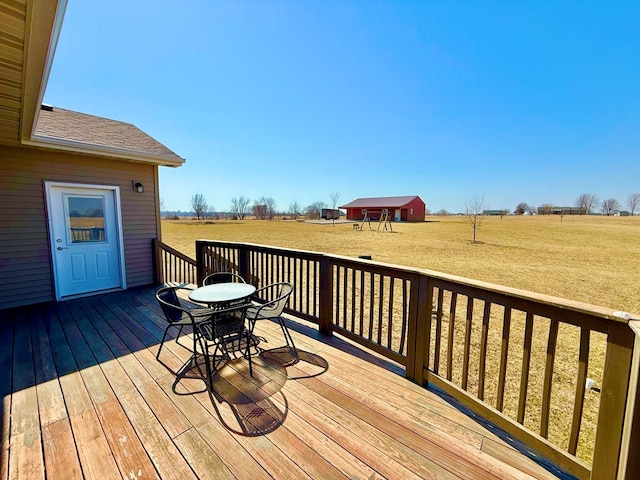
(384, 221)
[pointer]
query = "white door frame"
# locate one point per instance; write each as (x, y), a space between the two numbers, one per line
(119, 236)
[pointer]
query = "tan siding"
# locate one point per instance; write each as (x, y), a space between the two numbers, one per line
(25, 262)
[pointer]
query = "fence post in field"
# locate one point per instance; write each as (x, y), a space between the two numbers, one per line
(200, 261)
(325, 321)
(419, 328)
(158, 267)
(613, 398)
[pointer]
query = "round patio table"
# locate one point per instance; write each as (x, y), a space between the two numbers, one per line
(219, 294)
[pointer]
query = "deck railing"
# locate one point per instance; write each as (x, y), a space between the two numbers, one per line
(519, 359)
(172, 265)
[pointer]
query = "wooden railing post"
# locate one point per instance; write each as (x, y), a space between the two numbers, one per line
(244, 265)
(613, 399)
(326, 300)
(158, 268)
(419, 328)
(630, 460)
(200, 261)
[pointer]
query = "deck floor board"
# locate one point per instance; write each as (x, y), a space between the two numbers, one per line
(84, 397)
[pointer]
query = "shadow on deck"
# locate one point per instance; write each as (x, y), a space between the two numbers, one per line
(84, 397)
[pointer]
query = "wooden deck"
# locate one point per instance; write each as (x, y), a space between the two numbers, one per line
(84, 397)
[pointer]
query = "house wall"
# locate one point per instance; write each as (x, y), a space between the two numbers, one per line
(25, 262)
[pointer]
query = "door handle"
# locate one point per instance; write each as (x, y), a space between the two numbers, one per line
(63, 248)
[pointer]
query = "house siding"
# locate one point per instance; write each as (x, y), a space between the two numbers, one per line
(25, 261)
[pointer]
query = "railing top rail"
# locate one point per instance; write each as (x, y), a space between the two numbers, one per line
(257, 246)
(175, 252)
(549, 300)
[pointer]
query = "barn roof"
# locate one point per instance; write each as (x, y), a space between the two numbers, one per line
(80, 129)
(385, 202)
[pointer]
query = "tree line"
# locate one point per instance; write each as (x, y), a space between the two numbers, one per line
(586, 204)
(262, 208)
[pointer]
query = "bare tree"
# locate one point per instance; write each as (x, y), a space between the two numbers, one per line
(199, 205)
(521, 208)
(587, 202)
(294, 210)
(264, 208)
(271, 207)
(545, 209)
(442, 212)
(532, 210)
(240, 206)
(314, 211)
(581, 202)
(259, 210)
(473, 214)
(610, 206)
(335, 198)
(633, 201)
(563, 212)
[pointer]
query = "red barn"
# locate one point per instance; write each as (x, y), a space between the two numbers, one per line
(401, 209)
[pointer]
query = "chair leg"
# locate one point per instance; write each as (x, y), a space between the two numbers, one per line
(248, 354)
(178, 335)
(162, 342)
(287, 335)
(207, 364)
(224, 353)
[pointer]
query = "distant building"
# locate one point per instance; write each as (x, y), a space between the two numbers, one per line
(330, 213)
(494, 212)
(400, 209)
(550, 210)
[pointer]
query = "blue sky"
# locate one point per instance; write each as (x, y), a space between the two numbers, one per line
(532, 102)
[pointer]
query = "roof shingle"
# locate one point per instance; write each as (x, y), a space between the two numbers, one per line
(70, 126)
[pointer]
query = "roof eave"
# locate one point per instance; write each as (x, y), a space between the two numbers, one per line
(91, 149)
(43, 24)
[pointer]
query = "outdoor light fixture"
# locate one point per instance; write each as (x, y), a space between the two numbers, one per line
(137, 186)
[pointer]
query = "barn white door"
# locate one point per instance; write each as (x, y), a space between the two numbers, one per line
(85, 237)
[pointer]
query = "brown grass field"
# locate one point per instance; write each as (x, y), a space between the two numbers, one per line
(591, 259)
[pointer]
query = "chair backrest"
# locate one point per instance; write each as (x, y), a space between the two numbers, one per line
(222, 277)
(227, 321)
(170, 304)
(279, 292)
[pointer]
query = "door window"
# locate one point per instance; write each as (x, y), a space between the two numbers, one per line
(84, 218)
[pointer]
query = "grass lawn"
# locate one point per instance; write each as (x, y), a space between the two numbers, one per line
(589, 259)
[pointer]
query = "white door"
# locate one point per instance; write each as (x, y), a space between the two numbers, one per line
(398, 216)
(85, 239)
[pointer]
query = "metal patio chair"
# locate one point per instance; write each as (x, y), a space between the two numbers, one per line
(227, 331)
(269, 305)
(222, 277)
(179, 315)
